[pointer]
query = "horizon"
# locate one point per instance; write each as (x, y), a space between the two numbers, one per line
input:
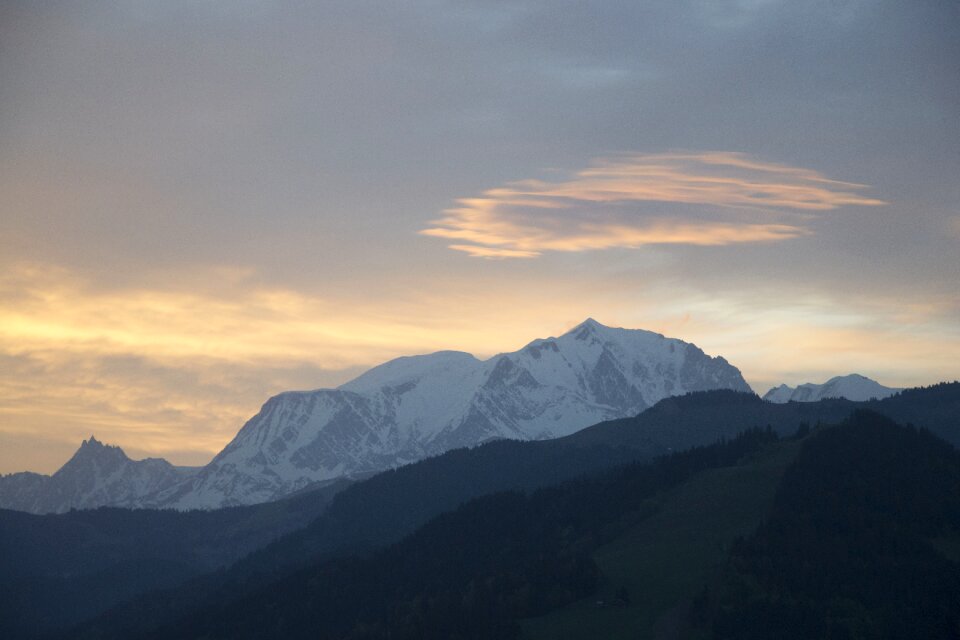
(120, 446)
(200, 458)
(755, 391)
(202, 206)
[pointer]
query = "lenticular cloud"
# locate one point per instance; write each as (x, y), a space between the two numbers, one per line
(631, 200)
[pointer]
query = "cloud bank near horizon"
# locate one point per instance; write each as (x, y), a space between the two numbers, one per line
(175, 372)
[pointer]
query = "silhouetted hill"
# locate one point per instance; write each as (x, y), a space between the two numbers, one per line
(385, 508)
(698, 418)
(935, 408)
(470, 573)
(855, 537)
(60, 569)
(375, 513)
(861, 543)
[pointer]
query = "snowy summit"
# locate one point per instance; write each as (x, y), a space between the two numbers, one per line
(394, 414)
(414, 407)
(852, 387)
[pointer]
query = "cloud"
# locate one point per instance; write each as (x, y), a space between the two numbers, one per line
(170, 372)
(701, 199)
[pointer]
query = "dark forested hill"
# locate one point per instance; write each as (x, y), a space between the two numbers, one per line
(382, 510)
(862, 542)
(60, 569)
(680, 422)
(470, 573)
(375, 513)
(854, 537)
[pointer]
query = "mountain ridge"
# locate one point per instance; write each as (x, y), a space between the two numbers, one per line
(851, 386)
(96, 475)
(417, 406)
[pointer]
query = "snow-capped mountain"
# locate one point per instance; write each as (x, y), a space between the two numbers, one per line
(852, 387)
(96, 475)
(414, 407)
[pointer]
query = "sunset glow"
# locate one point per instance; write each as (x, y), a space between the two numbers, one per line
(175, 373)
(205, 204)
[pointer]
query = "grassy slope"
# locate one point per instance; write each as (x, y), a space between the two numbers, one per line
(667, 558)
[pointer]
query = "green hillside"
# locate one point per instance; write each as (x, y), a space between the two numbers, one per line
(664, 560)
(852, 532)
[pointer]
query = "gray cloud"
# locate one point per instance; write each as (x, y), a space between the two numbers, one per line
(148, 136)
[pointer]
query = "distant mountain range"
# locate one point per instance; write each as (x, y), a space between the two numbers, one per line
(95, 476)
(408, 409)
(852, 387)
(399, 412)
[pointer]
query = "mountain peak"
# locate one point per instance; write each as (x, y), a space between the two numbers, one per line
(852, 377)
(417, 406)
(586, 329)
(852, 386)
(92, 448)
(97, 474)
(588, 324)
(407, 369)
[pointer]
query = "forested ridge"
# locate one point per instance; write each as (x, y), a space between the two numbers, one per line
(861, 543)
(530, 548)
(471, 573)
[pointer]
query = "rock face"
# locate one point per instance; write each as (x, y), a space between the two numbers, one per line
(96, 475)
(852, 387)
(414, 407)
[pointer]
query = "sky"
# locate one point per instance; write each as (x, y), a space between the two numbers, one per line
(206, 203)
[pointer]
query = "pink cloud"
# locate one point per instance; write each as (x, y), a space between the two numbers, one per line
(712, 198)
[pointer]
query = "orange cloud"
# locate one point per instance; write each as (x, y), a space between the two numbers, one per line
(479, 251)
(175, 371)
(703, 199)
